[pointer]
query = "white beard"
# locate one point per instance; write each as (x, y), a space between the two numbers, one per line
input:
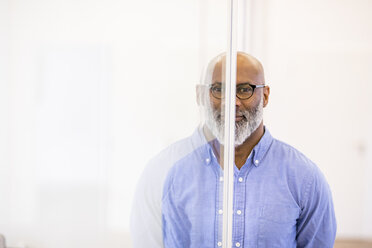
(252, 118)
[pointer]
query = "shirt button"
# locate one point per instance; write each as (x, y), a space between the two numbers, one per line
(256, 162)
(220, 211)
(207, 160)
(221, 179)
(219, 243)
(239, 212)
(240, 179)
(237, 244)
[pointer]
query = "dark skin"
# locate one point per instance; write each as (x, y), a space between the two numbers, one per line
(249, 70)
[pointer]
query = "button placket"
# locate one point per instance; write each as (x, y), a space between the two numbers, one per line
(219, 210)
(239, 204)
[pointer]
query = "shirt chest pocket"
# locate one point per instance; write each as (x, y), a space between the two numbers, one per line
(277, 226)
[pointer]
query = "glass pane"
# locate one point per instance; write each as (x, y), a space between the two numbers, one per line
(95, 91)
(179, 198)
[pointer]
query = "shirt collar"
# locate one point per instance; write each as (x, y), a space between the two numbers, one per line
(260, 150)
(197, 138)
(201, 146)
(257, 154)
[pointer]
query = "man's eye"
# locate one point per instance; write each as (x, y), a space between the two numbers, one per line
(245, 90)
(217, 89)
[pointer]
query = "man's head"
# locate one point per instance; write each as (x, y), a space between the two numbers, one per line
(250, 99)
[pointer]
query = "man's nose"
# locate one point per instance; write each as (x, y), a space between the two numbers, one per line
(238, 103)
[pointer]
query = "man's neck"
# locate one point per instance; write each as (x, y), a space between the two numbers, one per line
(241, 152)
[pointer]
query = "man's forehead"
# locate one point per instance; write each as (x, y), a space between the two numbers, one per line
(218, 70)
(247, 66)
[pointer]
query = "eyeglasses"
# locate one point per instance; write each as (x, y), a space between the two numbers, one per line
(243, 91)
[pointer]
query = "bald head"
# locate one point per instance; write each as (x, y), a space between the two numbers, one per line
(247, 67)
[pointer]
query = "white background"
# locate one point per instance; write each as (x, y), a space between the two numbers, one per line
(91, 90)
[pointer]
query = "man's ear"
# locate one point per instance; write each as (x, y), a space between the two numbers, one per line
(266, 94)
(200, 94)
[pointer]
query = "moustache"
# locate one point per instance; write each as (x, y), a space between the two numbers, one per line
(238, 114)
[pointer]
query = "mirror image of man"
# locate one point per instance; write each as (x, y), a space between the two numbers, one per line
(281, 198)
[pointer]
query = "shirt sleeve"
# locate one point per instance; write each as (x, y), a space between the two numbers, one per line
(176, 225)
(316, 226)
(146, 217)
(146, 226)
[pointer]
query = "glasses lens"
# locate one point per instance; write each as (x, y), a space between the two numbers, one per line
(244, 91)
(218, 91)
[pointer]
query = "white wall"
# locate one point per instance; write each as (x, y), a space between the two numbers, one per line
(4, 111)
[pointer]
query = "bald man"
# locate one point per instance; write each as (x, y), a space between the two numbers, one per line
(281, 199)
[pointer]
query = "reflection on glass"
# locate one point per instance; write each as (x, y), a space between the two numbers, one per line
(280, 197)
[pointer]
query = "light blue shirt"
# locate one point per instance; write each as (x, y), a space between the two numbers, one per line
(281, 199)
